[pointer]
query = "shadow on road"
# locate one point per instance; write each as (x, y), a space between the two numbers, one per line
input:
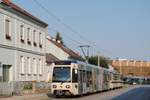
(140, 93)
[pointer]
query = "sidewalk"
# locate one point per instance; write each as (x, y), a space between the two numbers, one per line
(25, 97)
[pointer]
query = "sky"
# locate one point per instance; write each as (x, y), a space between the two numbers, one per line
(115, 28)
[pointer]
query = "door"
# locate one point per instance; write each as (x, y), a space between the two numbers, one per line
(80, 77)
(6, 73)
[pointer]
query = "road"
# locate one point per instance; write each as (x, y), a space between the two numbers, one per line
(140, 93)
(127, 93)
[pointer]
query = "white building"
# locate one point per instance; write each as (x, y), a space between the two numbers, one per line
(60, 51)
(22, 44)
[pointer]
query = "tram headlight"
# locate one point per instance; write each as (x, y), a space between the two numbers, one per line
(54, 86)
(67, 86)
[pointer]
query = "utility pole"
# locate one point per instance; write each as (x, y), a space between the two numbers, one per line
(85, 53)
(141, 65)
(120, 65)
(98, 59)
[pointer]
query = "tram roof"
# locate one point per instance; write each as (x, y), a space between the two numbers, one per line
(68, 62)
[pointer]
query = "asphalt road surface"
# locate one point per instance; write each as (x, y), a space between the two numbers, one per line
(139, 93)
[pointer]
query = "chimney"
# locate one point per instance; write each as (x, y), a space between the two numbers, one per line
(58, 41)
(54, 39)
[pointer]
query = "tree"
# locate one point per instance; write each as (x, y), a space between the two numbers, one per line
(59, 38)
(104, 61)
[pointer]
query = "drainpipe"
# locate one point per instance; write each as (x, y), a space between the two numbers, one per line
(1, 73)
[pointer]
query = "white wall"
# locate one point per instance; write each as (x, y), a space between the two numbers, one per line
(56, 51)
(11, 50)
(8, 57)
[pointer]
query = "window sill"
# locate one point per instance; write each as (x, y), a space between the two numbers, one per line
(29, 42)
(29, 74)
(22, 41)
(8, 37)
(22, 74)
(35, 44)
(40, 45)
(35, 74)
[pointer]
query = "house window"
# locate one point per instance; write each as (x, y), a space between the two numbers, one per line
(40, 40)
(7, 29)
(34, 38)
(29, 36)
(22, 63)
(35, 66)
(40, 67)
(22, 33)
(29, 65)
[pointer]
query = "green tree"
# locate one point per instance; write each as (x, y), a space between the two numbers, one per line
(104, 61)
(59, 38)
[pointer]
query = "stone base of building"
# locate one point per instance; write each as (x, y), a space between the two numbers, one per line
(24, 88)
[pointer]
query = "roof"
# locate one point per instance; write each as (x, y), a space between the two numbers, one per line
(70, 52)
(22, 11)
(50, 58)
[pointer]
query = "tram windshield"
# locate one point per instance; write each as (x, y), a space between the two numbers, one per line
(61, 74)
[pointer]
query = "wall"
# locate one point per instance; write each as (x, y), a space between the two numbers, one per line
(11, 50)
(56, 51)
(132, 67)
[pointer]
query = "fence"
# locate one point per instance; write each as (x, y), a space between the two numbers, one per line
(6, 89)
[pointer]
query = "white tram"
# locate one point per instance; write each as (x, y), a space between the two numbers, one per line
(77, 78)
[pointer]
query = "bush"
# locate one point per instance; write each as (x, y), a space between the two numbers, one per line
(28, 86)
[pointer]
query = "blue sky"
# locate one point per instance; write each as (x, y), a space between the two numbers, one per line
(117, 28)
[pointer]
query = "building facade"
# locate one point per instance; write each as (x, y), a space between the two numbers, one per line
(60, 51)
(132, 67)
(22, 45)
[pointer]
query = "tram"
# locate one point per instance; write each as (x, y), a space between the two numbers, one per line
(78, 78)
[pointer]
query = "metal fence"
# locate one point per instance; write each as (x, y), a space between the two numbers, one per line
(6, 89)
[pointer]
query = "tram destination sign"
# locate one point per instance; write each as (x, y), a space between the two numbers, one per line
(63, 62)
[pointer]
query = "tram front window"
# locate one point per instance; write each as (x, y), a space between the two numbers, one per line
(61, 74)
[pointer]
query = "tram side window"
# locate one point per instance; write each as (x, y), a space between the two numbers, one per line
(74, 75)
(115, 77)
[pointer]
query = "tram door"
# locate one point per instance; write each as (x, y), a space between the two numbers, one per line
(80, 81)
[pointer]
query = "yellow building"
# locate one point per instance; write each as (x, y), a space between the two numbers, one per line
(132, 67)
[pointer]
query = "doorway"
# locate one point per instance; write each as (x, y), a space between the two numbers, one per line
(6, 73)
